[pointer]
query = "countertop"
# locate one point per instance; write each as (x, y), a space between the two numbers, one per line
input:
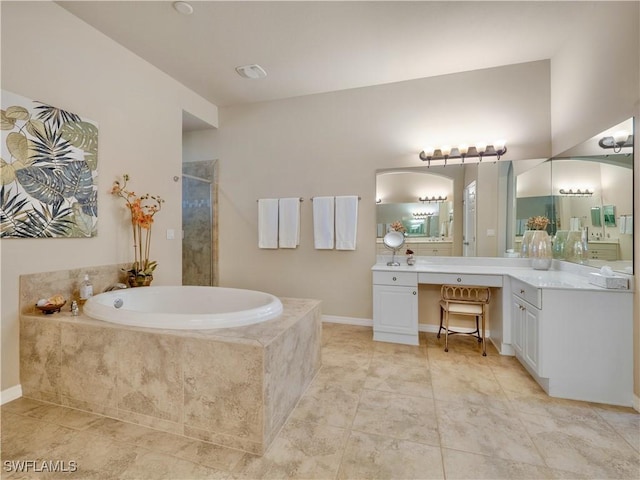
(555, 278)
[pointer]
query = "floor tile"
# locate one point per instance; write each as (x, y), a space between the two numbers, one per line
(465, 465)
(625, 421)
(406, 378)
(485, 431)
(378, 457)
(398, 416)
(583, 447)
(301, 450)
(328, 405)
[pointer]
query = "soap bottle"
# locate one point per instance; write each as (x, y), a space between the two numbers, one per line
(86, 289)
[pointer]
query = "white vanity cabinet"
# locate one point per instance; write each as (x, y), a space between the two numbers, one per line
(395, 307)
(526, 318)
(576, 343)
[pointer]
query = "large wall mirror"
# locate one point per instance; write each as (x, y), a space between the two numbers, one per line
(587, 189)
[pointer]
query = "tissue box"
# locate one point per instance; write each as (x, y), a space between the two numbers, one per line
(619, 283)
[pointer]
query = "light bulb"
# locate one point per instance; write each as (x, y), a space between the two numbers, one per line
(498, 145)
(428, 151)
(446, 150)
(463, 149)
(481, 147)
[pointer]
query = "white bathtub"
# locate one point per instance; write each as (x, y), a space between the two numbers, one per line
(183, 307)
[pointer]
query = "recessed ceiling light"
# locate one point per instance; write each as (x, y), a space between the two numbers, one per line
(251, 71)
(183, 7)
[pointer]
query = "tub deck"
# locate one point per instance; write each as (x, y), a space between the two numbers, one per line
(230, 386)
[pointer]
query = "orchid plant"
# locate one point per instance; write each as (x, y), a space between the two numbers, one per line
(142, 209)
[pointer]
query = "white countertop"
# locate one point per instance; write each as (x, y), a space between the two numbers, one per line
(572, 278)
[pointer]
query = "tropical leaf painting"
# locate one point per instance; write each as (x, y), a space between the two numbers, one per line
(48, 171)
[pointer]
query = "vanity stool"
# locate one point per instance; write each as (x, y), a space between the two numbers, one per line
(464, 300)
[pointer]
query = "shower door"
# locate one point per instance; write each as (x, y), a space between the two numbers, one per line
(199, 257)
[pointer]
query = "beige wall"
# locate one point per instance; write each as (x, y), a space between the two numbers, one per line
(49, 55)
(332, 144)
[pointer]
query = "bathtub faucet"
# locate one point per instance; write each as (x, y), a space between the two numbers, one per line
(115, 286)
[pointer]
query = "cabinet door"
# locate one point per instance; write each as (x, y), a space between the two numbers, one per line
(531, 336)
(517, 333)
(395, 309)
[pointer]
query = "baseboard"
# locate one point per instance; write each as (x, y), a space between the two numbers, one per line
(367, 322)
(10, 394)
(362, 322)
(636, 403)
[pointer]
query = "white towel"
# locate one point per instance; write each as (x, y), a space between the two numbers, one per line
(323, 227)
(346, 222)
(629, 225)
(268, 223)
(622, 224)
(289, 222)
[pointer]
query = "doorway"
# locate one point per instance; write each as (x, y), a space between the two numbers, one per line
(199, 199)
(469, 222)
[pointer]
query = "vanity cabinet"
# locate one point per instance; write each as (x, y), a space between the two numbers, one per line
(526, 319)
(603, 251)
(576, 343)
(395, 307)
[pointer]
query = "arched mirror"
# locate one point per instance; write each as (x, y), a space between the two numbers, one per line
(420, 204)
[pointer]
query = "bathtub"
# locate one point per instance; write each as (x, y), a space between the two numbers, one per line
(183, 307)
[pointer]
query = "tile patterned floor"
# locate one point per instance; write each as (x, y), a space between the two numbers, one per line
(375, 410)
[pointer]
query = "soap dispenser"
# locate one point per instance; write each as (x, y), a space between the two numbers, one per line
(86, 289)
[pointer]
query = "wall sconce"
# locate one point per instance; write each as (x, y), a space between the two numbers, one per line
(435, 199)
(617, 142)
(480, 150)
(578, 193)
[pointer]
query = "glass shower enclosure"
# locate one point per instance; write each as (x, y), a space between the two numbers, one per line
(199, 249)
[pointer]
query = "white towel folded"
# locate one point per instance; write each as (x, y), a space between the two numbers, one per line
(268, 223)
(622, 224)
(628, 225)
(346, 222)
(289, 223)
(323, 226)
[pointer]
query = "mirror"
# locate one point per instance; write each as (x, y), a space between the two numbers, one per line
(421, 202)
(393, 241)
(592, 191)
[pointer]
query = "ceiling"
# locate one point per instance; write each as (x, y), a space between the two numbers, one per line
(314, 47)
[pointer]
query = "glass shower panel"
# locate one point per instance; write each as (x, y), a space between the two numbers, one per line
(197, 223)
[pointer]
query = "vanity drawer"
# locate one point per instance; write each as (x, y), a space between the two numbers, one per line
(405, 279)
(461, 279)
(527, 292)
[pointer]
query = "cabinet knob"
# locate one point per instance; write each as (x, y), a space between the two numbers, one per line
(522, 291)
(458, 279)
(394, 279)
(414, 292)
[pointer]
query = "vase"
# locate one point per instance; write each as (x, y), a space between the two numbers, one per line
(540, 250)
(139, 280)
(559, 244)
(576, 247)
(525, 247)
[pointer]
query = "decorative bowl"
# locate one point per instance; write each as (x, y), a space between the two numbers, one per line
(51, 308)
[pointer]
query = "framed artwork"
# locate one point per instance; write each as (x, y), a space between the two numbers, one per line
(49, 171)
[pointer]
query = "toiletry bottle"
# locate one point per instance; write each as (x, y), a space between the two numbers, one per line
(86, 289)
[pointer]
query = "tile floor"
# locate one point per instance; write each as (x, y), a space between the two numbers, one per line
(375, 410)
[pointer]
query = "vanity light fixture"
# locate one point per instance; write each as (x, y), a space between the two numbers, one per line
(618, 141)
(577, 193)
(480, 150)
(438, 199)
(423, 214)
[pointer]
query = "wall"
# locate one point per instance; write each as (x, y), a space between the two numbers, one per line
(332, 144)
(595, 83)
(50, 55)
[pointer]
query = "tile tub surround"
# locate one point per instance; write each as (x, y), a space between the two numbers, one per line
(233, 387)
